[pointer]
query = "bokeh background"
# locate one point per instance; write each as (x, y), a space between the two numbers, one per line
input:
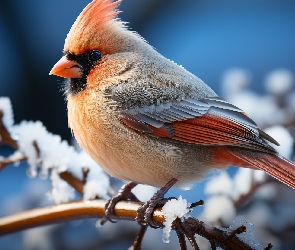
(207, 37)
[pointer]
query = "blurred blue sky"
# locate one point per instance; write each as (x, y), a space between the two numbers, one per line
(207, 37)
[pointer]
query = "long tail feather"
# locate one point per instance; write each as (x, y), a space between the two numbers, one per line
(273, 164)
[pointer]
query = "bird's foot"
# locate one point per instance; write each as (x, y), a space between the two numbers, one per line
(123, 194)
(145, 212)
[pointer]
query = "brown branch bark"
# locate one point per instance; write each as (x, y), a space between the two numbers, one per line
(72, 180)
(216, 235)
(5, 137)
(138, 241)
(11, 160)
(124, 210)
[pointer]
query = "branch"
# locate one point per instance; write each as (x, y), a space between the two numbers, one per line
(221, 238)
(73, 181)
(5, 137)
(124, 210)
(12, 159)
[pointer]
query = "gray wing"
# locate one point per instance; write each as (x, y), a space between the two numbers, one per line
(196, 116)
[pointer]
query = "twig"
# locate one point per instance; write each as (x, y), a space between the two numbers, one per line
(239, 230)
(181, 238)
(5, 137)
(15, 158)
(85, 172)
(184, 228)
(138, 241)
(72, 180)
(216, 235)
(269, 246)
(196, 204)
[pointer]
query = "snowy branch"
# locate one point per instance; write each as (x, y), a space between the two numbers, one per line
(124, 210)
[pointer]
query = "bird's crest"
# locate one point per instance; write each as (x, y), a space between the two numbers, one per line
(99, 11)
(94, 16)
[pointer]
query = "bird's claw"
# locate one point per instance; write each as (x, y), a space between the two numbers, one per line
(145, 212)
(109, 210)
(123, 194)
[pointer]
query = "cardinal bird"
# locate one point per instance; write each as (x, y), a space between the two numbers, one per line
(146, 120)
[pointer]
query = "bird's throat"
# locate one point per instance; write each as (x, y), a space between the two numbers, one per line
(73, 86)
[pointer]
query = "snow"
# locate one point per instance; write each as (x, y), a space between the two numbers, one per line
(6, 107)
(97, 182)
(51, 155)
(54, 153)
(249, 236)
(61, 191)
(15, 157)
(259, 176)
(173, 209)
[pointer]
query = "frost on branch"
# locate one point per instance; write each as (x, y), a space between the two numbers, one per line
(6, 107)
(61, 191)
(47, 154)
(249, 236)
(174, 208)
(97, 184)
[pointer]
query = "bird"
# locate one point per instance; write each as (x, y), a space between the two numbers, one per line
(146, 120)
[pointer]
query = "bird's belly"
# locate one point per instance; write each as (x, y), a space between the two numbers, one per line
(132, 156)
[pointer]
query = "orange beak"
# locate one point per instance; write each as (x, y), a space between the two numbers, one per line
(66, 68)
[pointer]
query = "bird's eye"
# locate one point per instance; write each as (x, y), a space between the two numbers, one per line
(95, 55)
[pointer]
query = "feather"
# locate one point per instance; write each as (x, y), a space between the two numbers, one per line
(273, 164)
(211, 121)
(98, 12)
(88, 25)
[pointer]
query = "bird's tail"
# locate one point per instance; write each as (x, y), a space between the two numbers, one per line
(273, 164)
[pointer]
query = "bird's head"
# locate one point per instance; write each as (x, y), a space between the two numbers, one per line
(96, 40)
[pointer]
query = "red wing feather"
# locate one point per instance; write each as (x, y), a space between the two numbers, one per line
(275, 165)
(207, 129)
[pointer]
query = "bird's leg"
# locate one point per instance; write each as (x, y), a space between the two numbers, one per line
(123, 194)
(145, 213)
